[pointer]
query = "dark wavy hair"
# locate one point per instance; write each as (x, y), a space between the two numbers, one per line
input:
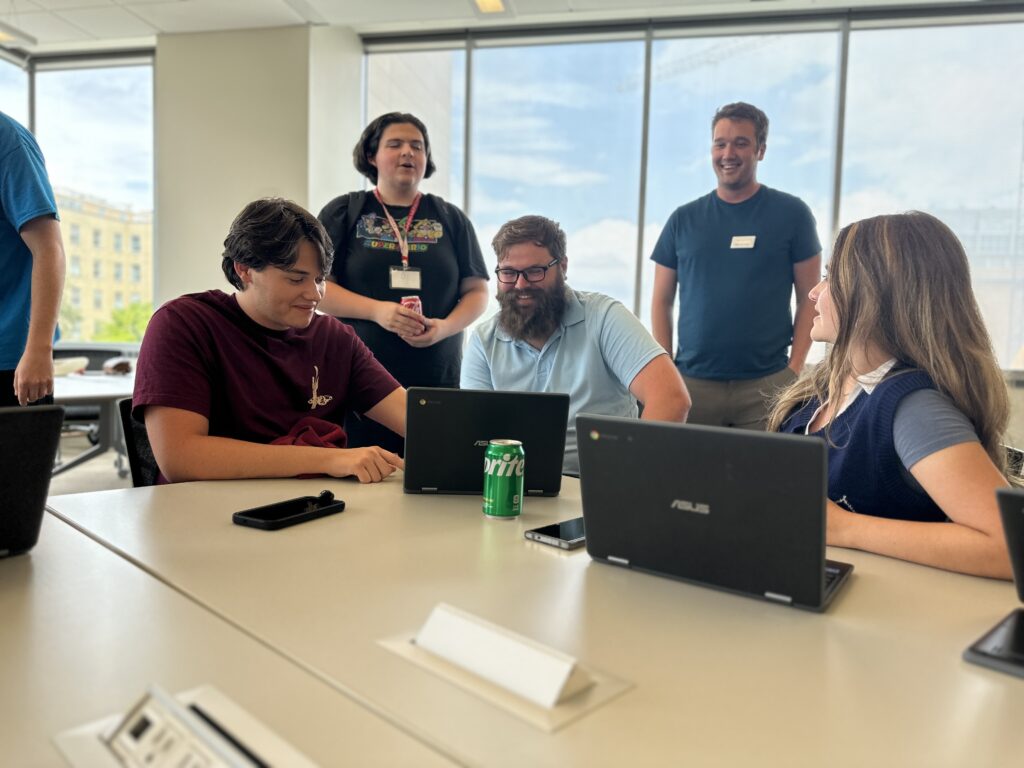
(369, 143)
(740, 110)
(267, 233)
(530, 229)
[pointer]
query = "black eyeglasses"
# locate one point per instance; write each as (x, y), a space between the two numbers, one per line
(532, 274)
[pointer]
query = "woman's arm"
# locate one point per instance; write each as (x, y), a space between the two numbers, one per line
(962, 481)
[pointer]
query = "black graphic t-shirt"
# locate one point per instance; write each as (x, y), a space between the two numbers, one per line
(445, 250)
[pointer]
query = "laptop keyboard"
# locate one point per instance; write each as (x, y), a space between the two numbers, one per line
(831, 574)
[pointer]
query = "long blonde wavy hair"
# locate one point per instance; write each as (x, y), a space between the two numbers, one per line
(902, 283)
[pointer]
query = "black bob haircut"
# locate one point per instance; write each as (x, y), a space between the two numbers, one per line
(369, 143)
(267, 233)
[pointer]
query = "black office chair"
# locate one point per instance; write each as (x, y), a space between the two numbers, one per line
(136, 442)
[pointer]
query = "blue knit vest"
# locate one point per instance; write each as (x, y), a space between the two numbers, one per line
(863, 467)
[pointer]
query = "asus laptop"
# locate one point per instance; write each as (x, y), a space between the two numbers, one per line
(727, 508)
(28, 446)
(1002, 647)
(447, 432)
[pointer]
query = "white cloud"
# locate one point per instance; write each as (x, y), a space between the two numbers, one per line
(534, 171)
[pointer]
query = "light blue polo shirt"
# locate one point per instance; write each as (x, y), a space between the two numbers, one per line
(594, 355)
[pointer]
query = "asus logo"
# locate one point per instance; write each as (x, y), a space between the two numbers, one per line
(481, 443)
(688, 506)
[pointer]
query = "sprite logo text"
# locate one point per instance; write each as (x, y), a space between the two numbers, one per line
(506, 466)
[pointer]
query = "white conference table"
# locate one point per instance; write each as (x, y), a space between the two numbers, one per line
(83, 633)
(718, 678)
(103, 391)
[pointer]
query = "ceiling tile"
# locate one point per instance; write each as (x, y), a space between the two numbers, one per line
(47, 27)
(64, 5)
(215, 15)
(108, 23)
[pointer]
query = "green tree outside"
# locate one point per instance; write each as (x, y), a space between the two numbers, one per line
(126, 324)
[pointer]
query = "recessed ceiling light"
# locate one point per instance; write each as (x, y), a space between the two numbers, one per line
(492, 7)
(9, 34)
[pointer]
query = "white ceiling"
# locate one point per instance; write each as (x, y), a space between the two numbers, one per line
(60, 25)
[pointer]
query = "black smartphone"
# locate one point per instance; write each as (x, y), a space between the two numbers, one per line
(1003, 647)
(271, 517)
(568, 535)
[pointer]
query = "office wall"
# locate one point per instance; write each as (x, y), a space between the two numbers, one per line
(241, 115)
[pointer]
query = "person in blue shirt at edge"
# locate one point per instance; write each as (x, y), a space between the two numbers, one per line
(909, 397)
(32, 265)
(734, 257)
(547, 337)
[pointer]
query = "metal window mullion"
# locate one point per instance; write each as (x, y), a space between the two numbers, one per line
(642, 202)
(30, 70)
(467, 125)
(837, 171)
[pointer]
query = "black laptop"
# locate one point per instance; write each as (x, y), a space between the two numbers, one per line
(447, 432)
(1002, 647)
(28, 446)
(734, 509)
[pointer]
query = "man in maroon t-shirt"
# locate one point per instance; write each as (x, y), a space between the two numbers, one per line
(222, 376)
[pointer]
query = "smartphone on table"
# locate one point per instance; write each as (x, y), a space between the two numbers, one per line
(272, 517)
(567, 535)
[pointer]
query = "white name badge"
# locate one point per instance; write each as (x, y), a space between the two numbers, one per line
(743, 241)
(407, 278)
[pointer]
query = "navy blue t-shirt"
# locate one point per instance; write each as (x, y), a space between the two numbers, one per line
(734, 302)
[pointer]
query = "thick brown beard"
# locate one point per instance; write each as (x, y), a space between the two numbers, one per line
(538, 320)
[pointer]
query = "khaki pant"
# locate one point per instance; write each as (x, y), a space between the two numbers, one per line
(741, 403)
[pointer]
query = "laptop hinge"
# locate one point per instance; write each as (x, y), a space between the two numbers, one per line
(428, 490)
(779, 598)
(534, 492)
(618, 560)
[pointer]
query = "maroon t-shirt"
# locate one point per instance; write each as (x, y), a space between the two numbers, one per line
(202, 353)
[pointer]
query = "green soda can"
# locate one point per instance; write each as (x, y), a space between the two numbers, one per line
(504, 464)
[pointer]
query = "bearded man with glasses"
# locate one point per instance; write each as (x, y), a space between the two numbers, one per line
(548, 337)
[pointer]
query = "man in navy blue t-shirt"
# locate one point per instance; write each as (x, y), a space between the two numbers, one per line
(735, 256)
(31, 269)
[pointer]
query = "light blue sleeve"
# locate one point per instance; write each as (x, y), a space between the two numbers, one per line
(476, 368)
(926, 421)
(625, 344)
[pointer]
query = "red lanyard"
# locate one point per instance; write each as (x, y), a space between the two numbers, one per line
(401, 237)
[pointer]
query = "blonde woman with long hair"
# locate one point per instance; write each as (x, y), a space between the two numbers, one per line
(909, 398)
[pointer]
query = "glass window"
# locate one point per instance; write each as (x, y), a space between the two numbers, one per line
(430, 85)
(76, 295)
(118, 300)
(14, 91)
(118, 271)
(75, 266)
(791, 77)
(76, 234)
(136, 273)
(909, 141)
(97, 269)
(95, 127)
(556, 131)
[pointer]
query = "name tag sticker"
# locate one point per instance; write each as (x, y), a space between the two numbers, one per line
(743, 241)
(405, 279)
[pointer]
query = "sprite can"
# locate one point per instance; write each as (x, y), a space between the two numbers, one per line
(504, 464)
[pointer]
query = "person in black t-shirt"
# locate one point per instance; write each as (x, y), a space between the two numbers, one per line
(394, 242)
